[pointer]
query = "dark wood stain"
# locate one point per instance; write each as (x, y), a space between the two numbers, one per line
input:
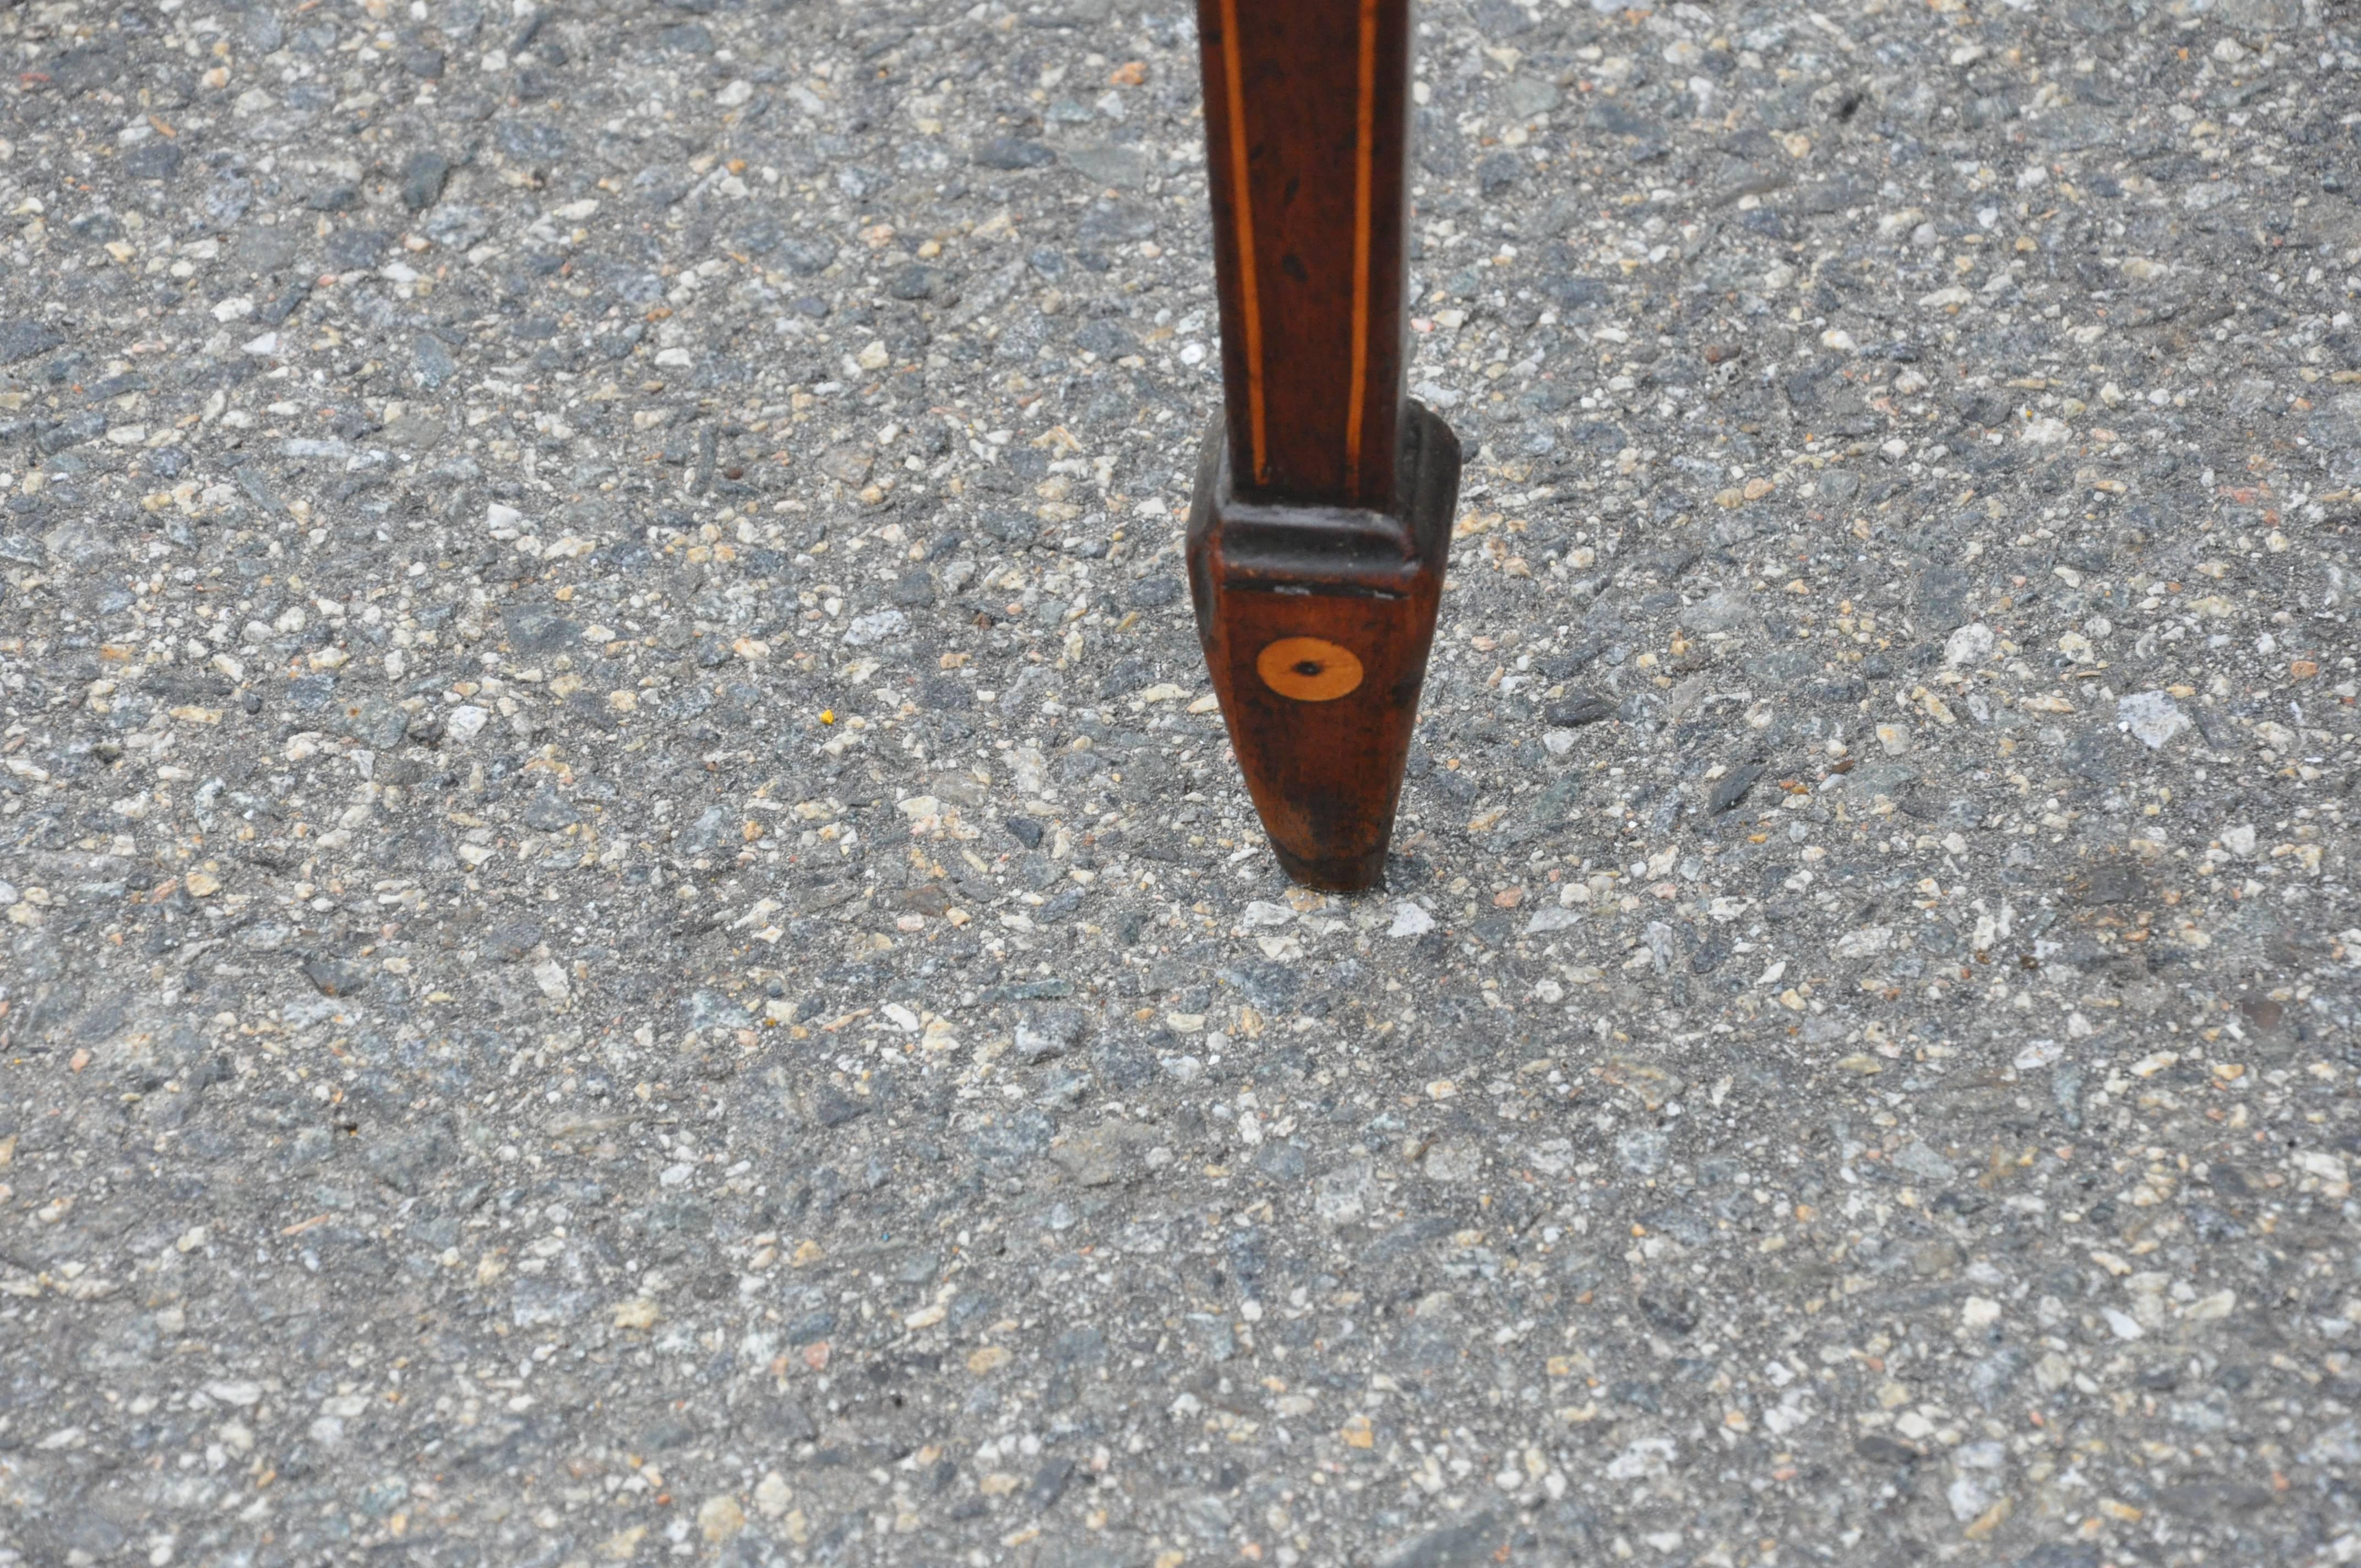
(1324, 499)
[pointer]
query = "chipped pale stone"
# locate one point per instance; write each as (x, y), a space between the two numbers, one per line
(1969, 644)
(1410, 920)
(2151, 716)
(720, 1517)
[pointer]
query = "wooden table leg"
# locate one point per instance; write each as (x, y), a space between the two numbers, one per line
(1324, 499)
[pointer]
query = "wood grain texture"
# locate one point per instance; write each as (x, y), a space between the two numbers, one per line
(1306, 109)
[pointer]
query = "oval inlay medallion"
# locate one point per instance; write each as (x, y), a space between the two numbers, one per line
(1308, 669)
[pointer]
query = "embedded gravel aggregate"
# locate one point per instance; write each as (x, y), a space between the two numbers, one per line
(630, 936)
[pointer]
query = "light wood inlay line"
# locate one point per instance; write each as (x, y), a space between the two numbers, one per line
(1362, 156)
(1249, 304)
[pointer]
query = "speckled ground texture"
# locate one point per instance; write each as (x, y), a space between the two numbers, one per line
(630, 936)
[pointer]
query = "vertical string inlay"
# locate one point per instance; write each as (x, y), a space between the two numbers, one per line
(1365, 133)
(1242, 202)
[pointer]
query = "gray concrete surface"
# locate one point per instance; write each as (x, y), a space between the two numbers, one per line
(629, 936)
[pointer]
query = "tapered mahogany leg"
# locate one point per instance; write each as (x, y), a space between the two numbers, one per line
(1324, 499)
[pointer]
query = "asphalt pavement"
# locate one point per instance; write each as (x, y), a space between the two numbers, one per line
(630, 935)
